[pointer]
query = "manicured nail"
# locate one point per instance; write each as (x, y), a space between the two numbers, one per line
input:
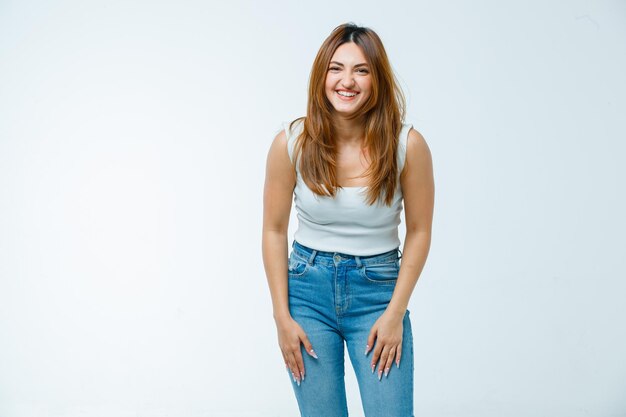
(380, 374)
(398, 363)
(293, 376)
(302, 375)
(386, 372)
(313, 354)
(373, 366)
(367, 347)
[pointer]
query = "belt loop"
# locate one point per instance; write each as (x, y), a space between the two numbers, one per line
(400, 257)
(312, 257)
(358, 261)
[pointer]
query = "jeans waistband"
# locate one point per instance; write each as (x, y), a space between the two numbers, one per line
(329, 258)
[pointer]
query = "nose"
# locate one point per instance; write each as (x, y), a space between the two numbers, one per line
(347, 81)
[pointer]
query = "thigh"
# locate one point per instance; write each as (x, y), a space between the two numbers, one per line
(322, 393)
(392, 396)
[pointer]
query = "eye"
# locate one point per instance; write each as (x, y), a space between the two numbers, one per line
(334, 68)
(363, 71)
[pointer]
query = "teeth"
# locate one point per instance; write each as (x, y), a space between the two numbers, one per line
(343, 93)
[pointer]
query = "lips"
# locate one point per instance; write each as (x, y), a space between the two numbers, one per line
(346, 98)
(347, 91)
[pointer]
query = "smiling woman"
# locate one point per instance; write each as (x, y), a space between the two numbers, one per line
(348, 83)
(352, 165)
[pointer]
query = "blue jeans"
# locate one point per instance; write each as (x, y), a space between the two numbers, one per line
(336, 297)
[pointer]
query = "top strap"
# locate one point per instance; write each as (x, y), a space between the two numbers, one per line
(403, 139)
(292, 135)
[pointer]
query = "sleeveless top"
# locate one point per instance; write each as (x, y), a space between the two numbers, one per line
(346, 223)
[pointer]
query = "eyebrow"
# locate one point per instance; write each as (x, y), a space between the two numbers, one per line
(363, 64)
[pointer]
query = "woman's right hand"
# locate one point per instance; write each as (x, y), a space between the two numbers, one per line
(290, 335)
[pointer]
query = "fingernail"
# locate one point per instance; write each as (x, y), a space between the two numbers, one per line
(398, 363)
(298, 382)
(367, 347)
(386, 372)
(313, 354)
(302, 375)
(380, 374)
(293, 376)
(373, 366)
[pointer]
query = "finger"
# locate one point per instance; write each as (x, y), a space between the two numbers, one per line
(293, 366)
(376, 355)
(389, 361)
(300, 365)
(398, 355)
(370, 339)
(383, 361)
(308, 346)
(285, 358)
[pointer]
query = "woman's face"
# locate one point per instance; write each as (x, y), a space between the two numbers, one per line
(348, 79)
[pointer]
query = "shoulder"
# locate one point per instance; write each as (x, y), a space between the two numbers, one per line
(283, 144)
(417, 150)
(278, 148)
(416, 142)
(280, 139)
(293, 127)
(292, 130)
(278, 161)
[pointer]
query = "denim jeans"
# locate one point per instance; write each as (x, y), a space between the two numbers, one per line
(336, 297)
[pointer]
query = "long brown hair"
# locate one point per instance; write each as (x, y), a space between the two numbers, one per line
(384, 112)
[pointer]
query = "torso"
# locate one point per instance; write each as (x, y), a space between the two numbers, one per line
(346, 223)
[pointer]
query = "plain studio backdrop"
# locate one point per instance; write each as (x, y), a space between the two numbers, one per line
(133, 141)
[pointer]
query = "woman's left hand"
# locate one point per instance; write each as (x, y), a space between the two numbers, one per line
(387, 332)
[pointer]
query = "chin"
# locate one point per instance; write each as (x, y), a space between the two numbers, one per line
(347, 112)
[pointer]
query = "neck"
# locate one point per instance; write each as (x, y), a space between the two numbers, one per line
(349, 131)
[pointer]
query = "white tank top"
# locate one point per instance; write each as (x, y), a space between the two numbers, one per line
(346, 223)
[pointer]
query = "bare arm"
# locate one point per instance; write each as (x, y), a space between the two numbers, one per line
(418, 190)
(280, 181)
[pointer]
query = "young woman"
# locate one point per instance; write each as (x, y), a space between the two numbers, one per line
(351, 163)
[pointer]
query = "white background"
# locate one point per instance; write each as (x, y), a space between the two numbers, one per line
(133, 137)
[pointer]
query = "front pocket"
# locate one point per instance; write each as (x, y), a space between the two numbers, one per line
(386, 273)
(297, 267)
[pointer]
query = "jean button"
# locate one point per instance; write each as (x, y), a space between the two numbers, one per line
(337, 258)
